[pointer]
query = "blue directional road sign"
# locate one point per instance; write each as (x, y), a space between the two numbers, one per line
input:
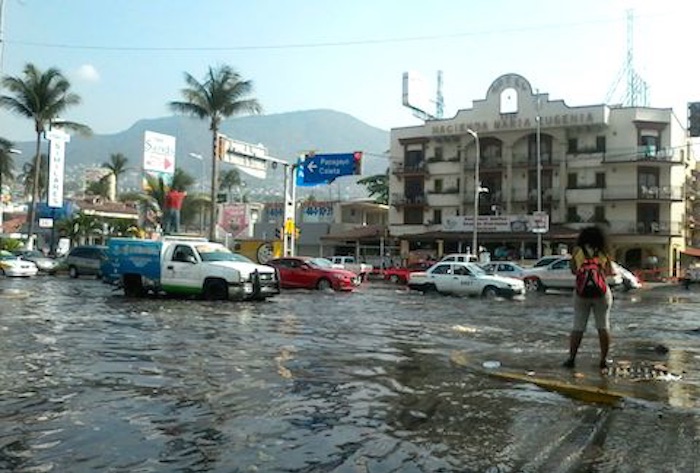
(324, 168)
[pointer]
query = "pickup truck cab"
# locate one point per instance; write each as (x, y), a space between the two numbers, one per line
(350, 264)
(186, 267)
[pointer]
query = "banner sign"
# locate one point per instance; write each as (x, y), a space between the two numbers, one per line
(499, 223)
(57, 165)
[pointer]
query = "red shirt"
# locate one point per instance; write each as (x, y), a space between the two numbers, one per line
(173, 199)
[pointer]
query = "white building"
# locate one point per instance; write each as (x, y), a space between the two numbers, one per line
(629, 168)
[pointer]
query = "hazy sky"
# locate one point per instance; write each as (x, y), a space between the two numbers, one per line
(126, 58)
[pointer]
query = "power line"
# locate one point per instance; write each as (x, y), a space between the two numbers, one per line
(363, 42)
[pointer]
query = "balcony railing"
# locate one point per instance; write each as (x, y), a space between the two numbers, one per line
(413, 168)
(645, 154)
(546, 159)
(643, 192)
(664, 228)
(411, 199)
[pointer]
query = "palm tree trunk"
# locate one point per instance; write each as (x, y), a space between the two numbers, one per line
(35, 191)
(214, 185)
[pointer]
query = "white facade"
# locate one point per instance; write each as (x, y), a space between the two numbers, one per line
(627, 168)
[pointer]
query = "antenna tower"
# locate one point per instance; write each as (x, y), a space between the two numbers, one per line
(637, 93)
(439, 100)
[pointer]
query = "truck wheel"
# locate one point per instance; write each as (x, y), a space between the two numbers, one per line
(133, 286)
(394, 278)
(215, 290)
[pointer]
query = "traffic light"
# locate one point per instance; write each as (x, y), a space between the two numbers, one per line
(297, 233)
(694, 119)
(278, 233)
(357, 158)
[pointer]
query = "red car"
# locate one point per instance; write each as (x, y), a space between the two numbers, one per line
(400, 275)
(313, 273)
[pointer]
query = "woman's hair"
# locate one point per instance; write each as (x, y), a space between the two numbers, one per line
(594, 237)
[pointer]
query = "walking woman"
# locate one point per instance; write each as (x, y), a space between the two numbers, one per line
(591, 262)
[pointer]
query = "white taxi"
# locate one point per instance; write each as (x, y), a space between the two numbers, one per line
(14, 266)
(462, 278)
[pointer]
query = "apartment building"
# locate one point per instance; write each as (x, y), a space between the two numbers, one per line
(628, 168)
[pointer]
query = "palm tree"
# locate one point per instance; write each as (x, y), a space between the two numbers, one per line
(230, 179)
(7, 165)
(99, 188)
(221, 95)
(117, 167)
(41, 97)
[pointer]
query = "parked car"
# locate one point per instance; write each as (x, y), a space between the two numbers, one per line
(14, 266)
(462, 278)
(313, 273)
(46, 264)
(463, 257)
(86, 260)
(545, 260)
(399, 275)
(557, 275)
(504, 268)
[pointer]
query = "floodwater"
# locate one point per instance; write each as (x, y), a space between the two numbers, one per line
(320, 382)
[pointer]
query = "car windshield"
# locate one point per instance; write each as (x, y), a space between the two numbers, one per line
(210, 253)
(320, 263)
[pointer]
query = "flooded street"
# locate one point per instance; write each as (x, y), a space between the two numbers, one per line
(324, 382)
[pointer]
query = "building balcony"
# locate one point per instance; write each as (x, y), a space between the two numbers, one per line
(413, 169)
(584, 196)
(645, 155)
(444, 198)
(415, 199)
(526, 160)
(653, 193)
(661, 228)
(548, 194)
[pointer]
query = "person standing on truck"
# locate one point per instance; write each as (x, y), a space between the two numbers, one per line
(173, 206)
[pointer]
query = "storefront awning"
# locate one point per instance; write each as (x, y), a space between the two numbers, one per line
(690, 251)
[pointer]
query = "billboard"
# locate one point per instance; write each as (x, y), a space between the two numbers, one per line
(158, 153)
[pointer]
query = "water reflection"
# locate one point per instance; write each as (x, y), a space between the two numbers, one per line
(92, 381)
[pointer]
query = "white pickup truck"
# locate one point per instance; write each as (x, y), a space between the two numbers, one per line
(186, 267)
(349, 263)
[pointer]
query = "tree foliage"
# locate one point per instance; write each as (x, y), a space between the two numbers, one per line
(377, 186)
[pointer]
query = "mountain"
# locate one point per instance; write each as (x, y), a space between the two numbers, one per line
(285, 135)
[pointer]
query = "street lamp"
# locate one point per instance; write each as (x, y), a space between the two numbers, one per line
(201, 189)
(477, 190)
(201, 158)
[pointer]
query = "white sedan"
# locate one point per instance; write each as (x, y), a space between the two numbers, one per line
(11, 265)
(558, 275)
(461, 278)
(504, 268)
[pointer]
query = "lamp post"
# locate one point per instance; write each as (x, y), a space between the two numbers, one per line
(539, 176)
(201, 180)
(201, 189)
(477, 189)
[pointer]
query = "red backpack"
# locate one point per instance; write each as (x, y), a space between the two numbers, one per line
(590, 278)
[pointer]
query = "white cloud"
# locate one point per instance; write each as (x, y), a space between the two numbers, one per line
(88, 73)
